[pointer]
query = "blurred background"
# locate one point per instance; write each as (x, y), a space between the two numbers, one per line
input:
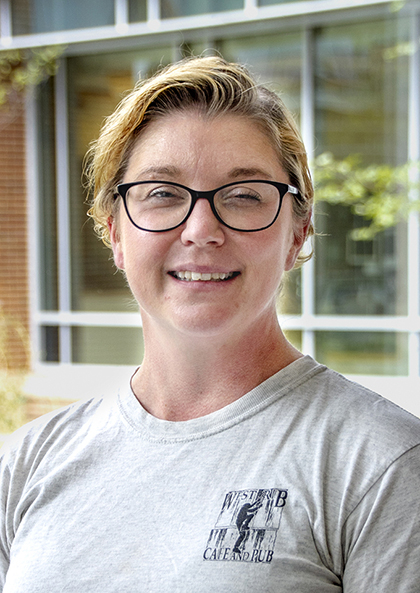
(349, 71)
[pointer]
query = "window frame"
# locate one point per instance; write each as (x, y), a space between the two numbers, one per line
(271, 18)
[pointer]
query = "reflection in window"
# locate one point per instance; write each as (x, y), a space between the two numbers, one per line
(137, 10)
(96, 85)
(50, 347)
(363, 353)
(358, 277)
(21, 17)
(276, 60)
(361, 98)
(290, 294)
(270, 2)
(294, 337)
(174, 8)
(47, 201)
(41, 16)
(107, 345)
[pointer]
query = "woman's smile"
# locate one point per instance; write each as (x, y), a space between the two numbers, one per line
(188, 276)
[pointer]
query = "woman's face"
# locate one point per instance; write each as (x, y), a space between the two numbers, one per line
(203, 154)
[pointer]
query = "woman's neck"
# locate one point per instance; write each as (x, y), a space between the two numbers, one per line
(181, 379)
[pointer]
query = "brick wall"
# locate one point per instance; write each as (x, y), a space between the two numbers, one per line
(14, 297)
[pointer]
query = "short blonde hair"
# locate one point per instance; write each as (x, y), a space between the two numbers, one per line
(214, 87)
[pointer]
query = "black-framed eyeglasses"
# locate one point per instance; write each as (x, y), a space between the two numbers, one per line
(247, 206)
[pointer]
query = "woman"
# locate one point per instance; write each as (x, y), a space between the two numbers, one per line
(232, 462)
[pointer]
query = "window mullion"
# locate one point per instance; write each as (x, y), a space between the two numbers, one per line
(251, 7)
(153, 10)
(307, 131)
(413, 231)
(121, 13)
(63, 207)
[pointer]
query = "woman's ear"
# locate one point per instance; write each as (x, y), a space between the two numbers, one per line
(116, 244)
(300, 234)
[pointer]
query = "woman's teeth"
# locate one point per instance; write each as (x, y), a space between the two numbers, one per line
(202, 277)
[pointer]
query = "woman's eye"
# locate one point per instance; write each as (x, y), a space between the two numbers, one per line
(162, 193)
(242, 198)
(166, 194)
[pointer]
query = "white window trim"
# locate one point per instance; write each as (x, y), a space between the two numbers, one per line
(413, 229)
(250, 13)
(63, 208)
(308, 134)
(121, 15)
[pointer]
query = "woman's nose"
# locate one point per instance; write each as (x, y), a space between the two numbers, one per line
(202, 227)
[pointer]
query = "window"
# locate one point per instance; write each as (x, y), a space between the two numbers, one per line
(41, 16)
(351, 308)
(361, 89)
(174, 8)
(137, 10)
(271, 2)
(363, 353)
(97, 84)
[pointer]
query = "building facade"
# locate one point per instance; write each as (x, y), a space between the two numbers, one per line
(349, 71)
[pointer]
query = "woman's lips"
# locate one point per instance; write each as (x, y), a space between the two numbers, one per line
(189, 276)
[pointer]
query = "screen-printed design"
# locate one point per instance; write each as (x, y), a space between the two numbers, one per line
(246, 528)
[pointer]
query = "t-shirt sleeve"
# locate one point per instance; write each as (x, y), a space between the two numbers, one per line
(4, 547)
(381, 538)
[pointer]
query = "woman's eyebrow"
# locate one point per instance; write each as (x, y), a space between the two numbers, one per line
(245, 172)
(156, 171)
(159, 170)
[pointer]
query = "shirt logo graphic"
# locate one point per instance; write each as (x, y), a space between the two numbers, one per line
(246, 528)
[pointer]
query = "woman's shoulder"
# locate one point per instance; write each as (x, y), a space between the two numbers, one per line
(70, 423)
(351, 412)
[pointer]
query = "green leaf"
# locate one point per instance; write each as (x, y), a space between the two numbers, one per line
(381, 194)
(22, 69)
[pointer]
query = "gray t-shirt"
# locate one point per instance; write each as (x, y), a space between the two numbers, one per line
(309, 483)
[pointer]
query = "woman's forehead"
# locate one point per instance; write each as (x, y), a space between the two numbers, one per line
(181, 140)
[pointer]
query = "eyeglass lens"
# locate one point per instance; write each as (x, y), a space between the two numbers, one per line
(245, 206)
